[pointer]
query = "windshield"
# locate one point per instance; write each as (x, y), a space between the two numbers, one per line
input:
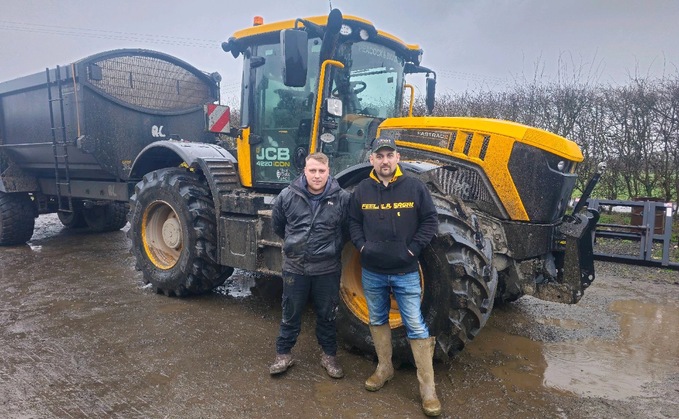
(371, 82)
(370, 87)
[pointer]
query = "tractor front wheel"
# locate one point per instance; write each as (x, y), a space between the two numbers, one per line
(174, 235)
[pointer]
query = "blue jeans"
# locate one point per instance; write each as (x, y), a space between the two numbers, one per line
(406, 289)
(324, 292)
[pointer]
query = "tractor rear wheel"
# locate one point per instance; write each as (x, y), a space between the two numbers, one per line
(17, 218)
(458, 287)
(174, 233)
(108, 217)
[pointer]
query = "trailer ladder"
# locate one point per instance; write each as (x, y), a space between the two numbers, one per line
(60, 145)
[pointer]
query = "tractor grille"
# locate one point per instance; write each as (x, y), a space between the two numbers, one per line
(462, 182)
(149, 82)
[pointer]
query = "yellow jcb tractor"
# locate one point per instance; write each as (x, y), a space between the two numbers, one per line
(332, 84)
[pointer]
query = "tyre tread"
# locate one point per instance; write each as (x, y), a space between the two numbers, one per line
(17, 219)
(203, 272)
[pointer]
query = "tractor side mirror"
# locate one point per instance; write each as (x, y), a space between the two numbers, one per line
(431, 93)
(256, 62)
(295, 57)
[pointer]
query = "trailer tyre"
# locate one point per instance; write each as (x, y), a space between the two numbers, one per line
(17, 218)
(174, 233)
(73, 219)
(108, 217)
(459, 285)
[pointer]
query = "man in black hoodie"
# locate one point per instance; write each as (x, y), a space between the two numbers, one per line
(392, 218)
(309, 215)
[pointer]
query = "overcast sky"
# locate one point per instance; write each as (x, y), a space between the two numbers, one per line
(472, 44)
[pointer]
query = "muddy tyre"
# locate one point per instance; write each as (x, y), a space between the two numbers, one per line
(109, 217)
(73, 219)
(17, 218)
(174, 234)
(459, 285)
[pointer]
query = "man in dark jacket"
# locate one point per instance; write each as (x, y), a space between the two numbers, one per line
(309, 215)
(392, 218)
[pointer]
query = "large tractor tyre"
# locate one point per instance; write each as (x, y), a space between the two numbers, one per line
(108, 217)
(458, 282)
(17, 218)
(73, 219)
(174, 234)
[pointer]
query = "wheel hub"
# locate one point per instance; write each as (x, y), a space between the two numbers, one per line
(171, 233)
(162, 234)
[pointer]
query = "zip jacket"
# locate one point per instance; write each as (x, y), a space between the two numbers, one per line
(312, 234)
(385, 222)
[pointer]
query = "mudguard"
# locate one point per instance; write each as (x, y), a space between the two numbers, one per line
(171, 153)
(217, 165)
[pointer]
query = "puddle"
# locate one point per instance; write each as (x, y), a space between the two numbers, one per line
(648, 347)
(516, 360)
(646, 351)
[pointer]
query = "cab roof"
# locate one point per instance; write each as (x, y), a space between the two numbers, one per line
(260, 33)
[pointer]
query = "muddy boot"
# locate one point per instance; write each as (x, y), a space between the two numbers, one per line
(332, 366)
(423, 352)
(281, 364)
(385, 370)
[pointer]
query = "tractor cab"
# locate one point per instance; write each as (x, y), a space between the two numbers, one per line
(317, 84)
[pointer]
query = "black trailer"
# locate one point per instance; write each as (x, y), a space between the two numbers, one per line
(70, 135)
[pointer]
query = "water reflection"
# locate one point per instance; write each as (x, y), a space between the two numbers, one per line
(647, 348)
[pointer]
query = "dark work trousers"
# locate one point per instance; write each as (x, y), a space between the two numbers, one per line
(324, 292)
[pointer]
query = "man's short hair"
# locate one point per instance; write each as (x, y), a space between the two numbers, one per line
(319, 157)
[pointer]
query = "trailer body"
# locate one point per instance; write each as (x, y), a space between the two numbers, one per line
(69, 135)
(104, 109)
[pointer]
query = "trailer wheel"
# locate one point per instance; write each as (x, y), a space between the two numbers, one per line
(74, 219)
(174, 233)
(459, 285)
(108, 217)
(17, 218)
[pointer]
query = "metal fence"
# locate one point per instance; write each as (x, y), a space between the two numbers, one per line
(646, 240)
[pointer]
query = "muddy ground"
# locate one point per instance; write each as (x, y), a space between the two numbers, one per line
(80, 336)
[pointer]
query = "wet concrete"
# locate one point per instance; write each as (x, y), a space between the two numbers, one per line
(81, 337)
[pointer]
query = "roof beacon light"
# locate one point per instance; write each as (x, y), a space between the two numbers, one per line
(258, 21)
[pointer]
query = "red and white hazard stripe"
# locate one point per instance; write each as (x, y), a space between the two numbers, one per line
(217, 118)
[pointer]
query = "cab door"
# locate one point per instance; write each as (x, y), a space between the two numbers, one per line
(280, 118)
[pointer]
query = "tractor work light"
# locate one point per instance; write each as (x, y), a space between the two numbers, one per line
(345, 29)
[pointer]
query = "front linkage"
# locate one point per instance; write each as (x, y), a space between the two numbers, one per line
(576, 270)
